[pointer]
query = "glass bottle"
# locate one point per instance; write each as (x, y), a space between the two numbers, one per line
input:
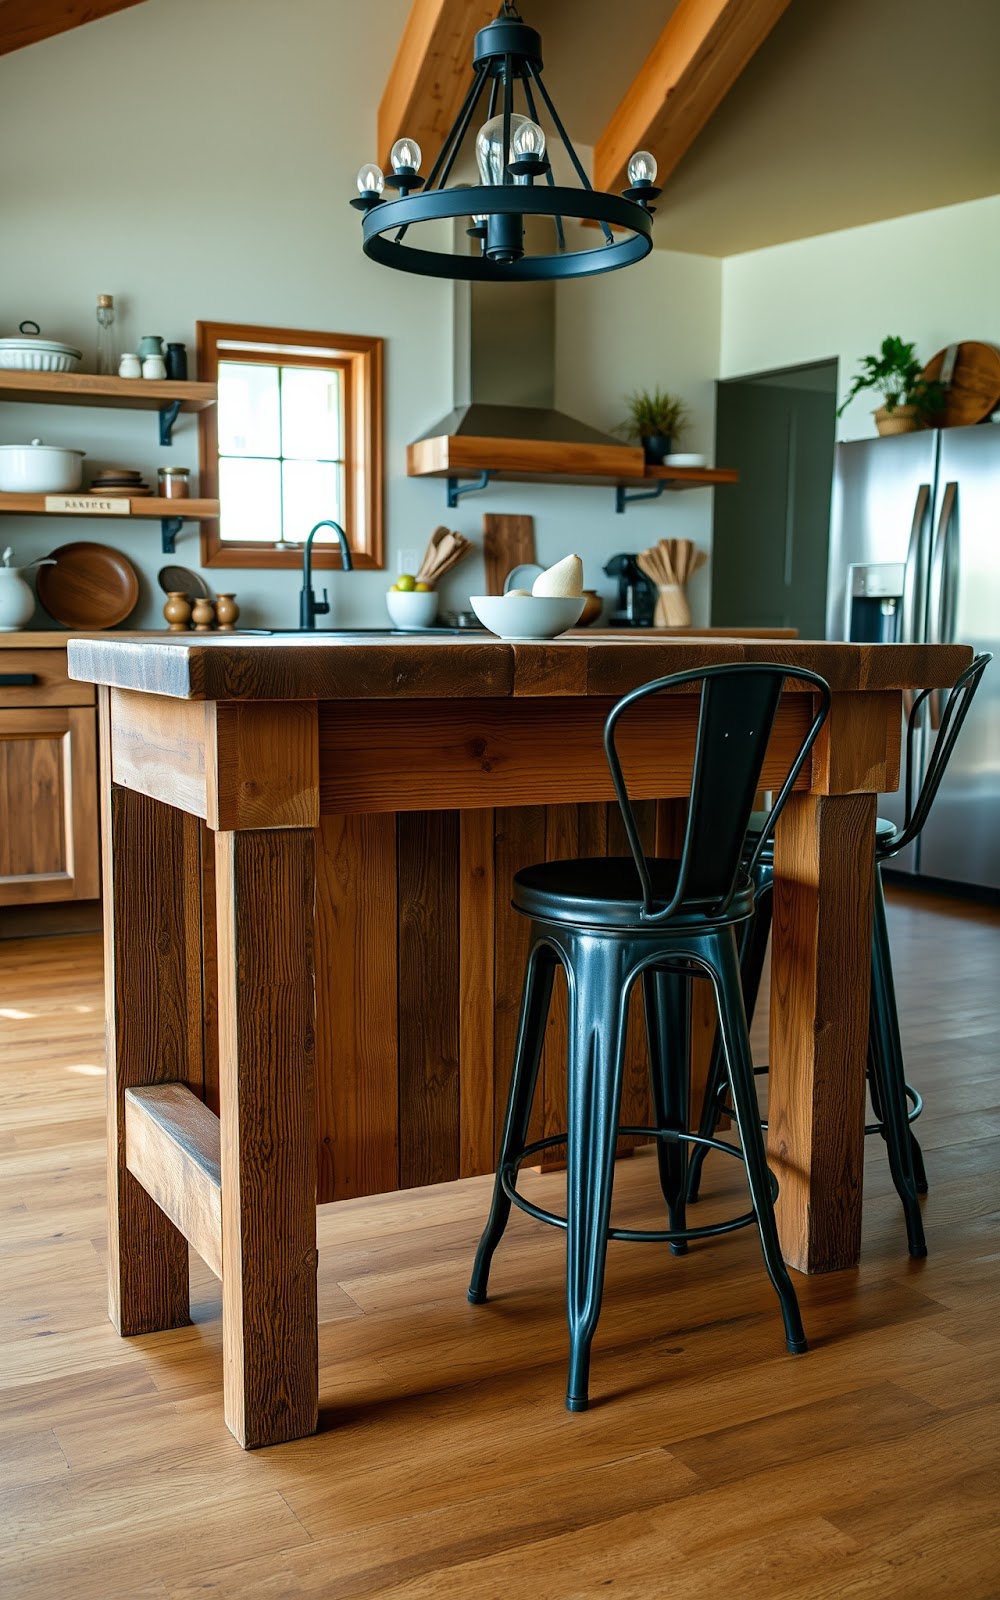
(107, 360)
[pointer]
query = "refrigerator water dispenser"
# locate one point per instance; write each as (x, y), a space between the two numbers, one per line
(875, 602)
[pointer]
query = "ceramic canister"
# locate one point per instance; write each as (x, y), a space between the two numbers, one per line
(151, 345)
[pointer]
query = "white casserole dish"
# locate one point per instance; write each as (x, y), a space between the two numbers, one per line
(38, 468)
(29, 353)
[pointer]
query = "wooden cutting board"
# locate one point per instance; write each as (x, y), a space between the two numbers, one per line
(508, 542)
(974, 390)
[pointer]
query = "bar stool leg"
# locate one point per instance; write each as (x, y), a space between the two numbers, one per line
(598, 1022)
(723, 958)
(667, 996)
(527, 1056)
(888, 1080)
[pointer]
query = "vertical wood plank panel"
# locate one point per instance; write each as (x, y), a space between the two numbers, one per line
(476, 891)
(520, 842)
(267, 1009)
(210, 971)
(429, 1111)
(356, 1006)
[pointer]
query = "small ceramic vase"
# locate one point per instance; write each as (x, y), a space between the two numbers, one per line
(226, 612)
(130, 366)
(154, 367)
(203, 615)
(150, 345)
(177, 611)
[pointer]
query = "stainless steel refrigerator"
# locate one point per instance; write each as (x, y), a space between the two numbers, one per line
(915, 557)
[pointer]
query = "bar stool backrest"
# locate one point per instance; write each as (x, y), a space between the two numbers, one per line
(955, 712)
(739, 702)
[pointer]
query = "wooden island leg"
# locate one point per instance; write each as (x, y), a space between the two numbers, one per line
(820, 972)
(152, 973)
(265, 898)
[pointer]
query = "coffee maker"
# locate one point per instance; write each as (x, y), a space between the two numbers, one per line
(636, 602)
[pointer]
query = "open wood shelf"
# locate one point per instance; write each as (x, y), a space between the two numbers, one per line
(87, 389)
(454, 457)
(33, 505)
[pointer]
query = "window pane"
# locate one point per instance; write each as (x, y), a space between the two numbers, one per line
(249, 410)
(250, 500)
(312, 491)
(310, 413)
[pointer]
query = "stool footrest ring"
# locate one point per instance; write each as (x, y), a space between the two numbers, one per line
(508, 1179)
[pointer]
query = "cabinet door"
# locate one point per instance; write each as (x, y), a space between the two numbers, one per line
(49, 841)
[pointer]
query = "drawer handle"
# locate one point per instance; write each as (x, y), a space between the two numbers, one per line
(18, 680)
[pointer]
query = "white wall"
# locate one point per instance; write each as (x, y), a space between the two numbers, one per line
(932, 278)
(195, 159)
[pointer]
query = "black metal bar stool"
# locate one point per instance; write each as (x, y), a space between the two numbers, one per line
(611, 921)
(895, 1103)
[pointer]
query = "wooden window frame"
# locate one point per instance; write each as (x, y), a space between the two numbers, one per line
(360, 359)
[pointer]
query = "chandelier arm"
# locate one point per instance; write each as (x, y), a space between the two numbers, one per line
(508, 112)
(529, 101)
(494, 92)
(458, 128)
(564, 136)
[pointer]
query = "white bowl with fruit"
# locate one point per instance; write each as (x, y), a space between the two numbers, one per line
(555, 603)
(411, 605)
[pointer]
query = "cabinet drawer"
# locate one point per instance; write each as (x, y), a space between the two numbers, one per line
(50, 686)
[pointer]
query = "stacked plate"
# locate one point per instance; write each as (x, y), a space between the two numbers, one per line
(119, 483)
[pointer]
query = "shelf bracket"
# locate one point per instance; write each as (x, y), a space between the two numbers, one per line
(170, 527)
(455, 492)
(623, 498)
(168, 416)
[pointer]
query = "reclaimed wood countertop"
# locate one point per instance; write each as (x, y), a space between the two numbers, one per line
(375, 667)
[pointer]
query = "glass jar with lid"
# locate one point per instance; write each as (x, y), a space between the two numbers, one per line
(174, 482)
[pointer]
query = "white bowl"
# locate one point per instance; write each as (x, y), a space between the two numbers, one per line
(38, 355)
(529, 616)
(408, 609)
(685, 460)
(38, 468)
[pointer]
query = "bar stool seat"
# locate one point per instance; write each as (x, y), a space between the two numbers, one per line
(612, 923)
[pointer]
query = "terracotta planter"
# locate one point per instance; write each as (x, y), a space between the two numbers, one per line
(903, 419)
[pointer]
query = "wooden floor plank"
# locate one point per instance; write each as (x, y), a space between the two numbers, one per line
(445, 1464)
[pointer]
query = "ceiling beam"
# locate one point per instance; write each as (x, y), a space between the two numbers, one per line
(27, 21)
(690, 70)
(431, 73)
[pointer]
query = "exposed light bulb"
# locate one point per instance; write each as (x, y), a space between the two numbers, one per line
(405, 153)
(642, 168)
(527, 140)
(371, 179)
(489, 145)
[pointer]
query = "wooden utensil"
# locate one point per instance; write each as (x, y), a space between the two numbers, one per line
(507, 542)
(670, 564)
(973, 390)
(90, 586)
(445, 548)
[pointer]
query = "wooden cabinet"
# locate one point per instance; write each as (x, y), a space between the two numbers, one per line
(49, 835)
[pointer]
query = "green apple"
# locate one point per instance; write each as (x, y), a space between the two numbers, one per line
(406, 583)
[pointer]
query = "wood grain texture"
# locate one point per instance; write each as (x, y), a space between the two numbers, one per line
(87, 388)
(858, 747)
(265, 772)
(430, 74)
(820, 968)
(701, 52)
(455, 455)
(52, 685)
(172, 1147)
(508, 542)
(429, 1122)
(49, 847)
(519, 842)
(476, 922)
(267, 1014)
(339, 667)
(153, 1004)
(472, 753)
(162, 748)
(357, 992)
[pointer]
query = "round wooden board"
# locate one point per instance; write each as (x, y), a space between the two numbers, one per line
(974, 390)
(91, 586)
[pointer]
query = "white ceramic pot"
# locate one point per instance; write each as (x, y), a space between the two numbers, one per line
(409, 609)
(29, 353)
(527, 616)
(38, 468)
(17, 601)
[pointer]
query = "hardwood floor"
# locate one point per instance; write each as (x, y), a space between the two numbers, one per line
(710, 1464)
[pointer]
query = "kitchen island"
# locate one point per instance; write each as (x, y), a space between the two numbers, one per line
(313, 973)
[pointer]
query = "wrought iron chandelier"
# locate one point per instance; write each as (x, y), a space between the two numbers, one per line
(510, 151)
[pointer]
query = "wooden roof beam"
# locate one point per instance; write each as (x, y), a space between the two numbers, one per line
(431, 73)
(25, 22)
(690, 70)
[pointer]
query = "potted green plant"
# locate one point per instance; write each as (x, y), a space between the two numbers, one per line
(655, 419)
(908, 399)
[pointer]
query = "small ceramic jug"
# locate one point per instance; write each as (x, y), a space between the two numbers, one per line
(150, 345)
(130, 366)
(17, 602)
(154, 367)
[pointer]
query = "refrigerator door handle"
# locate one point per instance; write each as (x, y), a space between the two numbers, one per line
(912, 586)
(939, 609)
